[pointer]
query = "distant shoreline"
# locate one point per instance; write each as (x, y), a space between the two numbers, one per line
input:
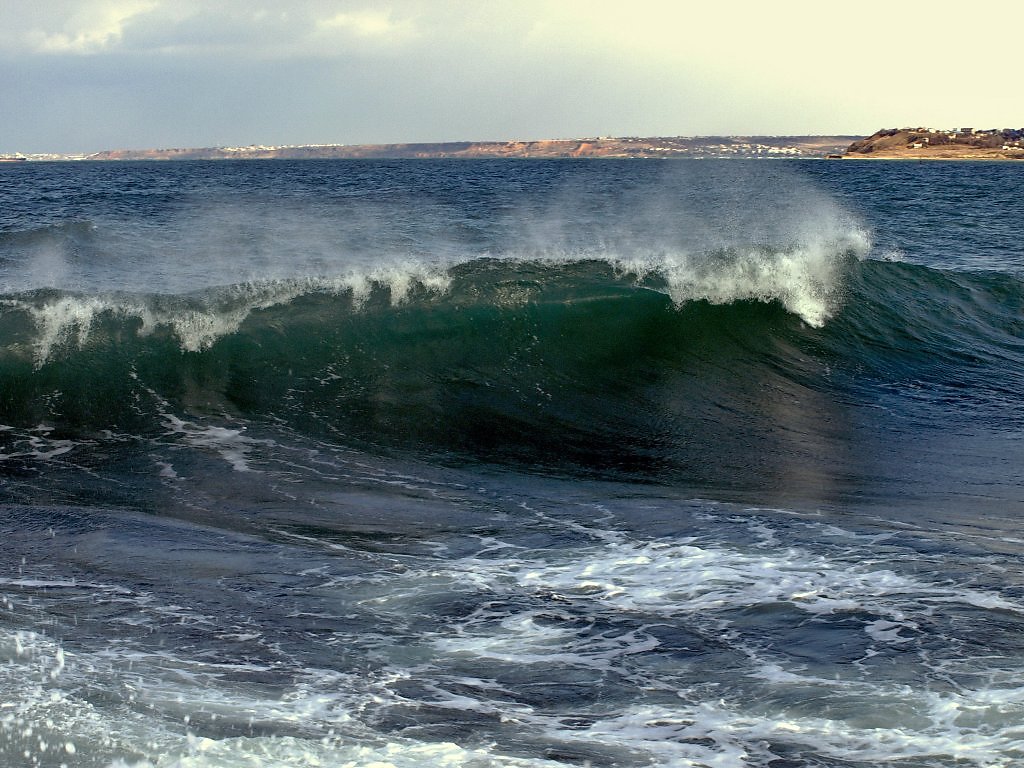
(962, 144)
(931, 159)
(958, 144)
(658, 147)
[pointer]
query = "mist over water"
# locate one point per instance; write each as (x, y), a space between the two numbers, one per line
(511, 464)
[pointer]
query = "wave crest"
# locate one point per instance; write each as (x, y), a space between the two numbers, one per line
(806, 278)
(198, 321)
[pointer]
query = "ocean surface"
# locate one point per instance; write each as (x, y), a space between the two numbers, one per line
(512, 463)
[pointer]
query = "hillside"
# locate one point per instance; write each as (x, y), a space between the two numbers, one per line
(929, 143)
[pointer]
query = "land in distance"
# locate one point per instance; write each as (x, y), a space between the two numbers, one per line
(934, 144)
(886, 144)
(603, 147)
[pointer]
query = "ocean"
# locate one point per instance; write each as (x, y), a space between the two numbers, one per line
(519, 463)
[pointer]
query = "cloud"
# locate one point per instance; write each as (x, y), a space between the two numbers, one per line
(70, 27)
(255, 30)
(369, 23)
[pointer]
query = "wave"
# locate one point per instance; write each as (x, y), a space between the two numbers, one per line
(599, 363)
(805, 277)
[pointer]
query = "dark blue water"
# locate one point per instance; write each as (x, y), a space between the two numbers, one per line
(512, 463)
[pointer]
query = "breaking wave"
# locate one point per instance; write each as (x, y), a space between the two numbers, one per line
(602, 361)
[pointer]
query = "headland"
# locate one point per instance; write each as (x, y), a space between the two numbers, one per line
(935, 144)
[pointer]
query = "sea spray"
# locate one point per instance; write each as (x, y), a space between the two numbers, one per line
(721, 242)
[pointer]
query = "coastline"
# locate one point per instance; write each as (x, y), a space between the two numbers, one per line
(958, 144)
(630, 147)
(897, 145)
(932, 158)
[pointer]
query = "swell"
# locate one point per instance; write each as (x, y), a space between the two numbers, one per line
(907, 323)
(580, 365)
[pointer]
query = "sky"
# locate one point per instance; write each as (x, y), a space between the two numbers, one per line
(87, 75)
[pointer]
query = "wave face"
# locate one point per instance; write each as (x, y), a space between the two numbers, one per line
(518, 346)
(581, 365)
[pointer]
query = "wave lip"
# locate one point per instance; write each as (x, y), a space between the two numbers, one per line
(806, 278)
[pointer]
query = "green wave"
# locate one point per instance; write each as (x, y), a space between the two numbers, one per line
(529, 362)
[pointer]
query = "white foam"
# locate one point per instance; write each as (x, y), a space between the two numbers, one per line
(231, 444)
(520, 639)
(67, 321)
(289, 752)
(721, 237)
(713, 734)
(39, 446)
(666, 577)
(979, 727)
(167, 470)
(887, 632)
(805, 276)
(43, 716)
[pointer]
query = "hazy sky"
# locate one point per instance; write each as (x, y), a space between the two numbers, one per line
(84, 75)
